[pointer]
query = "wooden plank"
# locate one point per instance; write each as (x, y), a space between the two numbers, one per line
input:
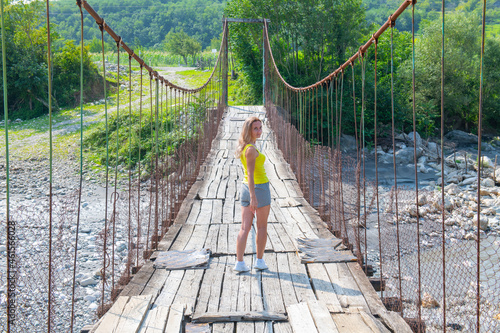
(302, 222)
(322, 317)
(214, 317)
(211, 287)
(285, 279)
(244, 287)
(205, 215)
(256, 303)
(169, 238)
(301, 318)
(216, 212)
(195, 211)
(198, 237)
(391, 319)
(112, 317)
(156, 282)
(222, 243)
(183, 237)
(133, 314)
(175, 317)
(350, 322)
(228, 211)
(223, 327)
(212, 237)
(156, 320)
(293, 188)
(274, 240)
(245, 327)
(300, 279)
(323, 287)
(345, 286)
(229, 293)
(169, 290)
(197, 328)
(271, 289)
(288, 243)
(280, 188)
(136, 285)
(221, 191)
(282, 327)
(372, 322)
(188, 289)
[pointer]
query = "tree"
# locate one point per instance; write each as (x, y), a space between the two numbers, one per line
(182, 44)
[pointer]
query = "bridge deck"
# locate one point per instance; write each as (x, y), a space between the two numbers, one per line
(315, 297)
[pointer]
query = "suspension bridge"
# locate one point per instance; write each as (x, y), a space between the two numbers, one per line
(180, 224)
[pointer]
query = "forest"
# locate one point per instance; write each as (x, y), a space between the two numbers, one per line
(309, 38)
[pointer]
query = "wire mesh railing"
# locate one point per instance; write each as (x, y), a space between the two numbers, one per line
(75, 237)
(434, 253)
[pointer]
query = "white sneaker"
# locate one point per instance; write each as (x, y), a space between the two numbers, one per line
(240, 267)
(260, 265)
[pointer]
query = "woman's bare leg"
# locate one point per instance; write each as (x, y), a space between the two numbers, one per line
(262, 216)
(246, 225)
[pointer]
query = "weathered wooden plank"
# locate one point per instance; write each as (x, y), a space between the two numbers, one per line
(345, 286)
(112, 317)
(322, 317)
(288, 243)
(300, 279)
(223, 327)
(293, 188)
(198, 237)
(133, 314)
(280, 188)
(156, 320)
(169, 290)
(155, 283)
(221, 191)
(350, 322)
(245, 327)
(302, 222)
(216, 212)
(244, 287)
(222, 243)
(170, 236)
(391, 319)
(256, 303)
(229, 294)
(210, 290)
(195, 211)
(271, 289)
(285, 279)
(205, 215)
(323, 287)
(212, 238)
(282, 327)
(182, 238)
(175, 317)
(214, 317)
(374, 324)
(274, 239)
(228, 211)
(284, 171)
(136, 285)
(197, 328)
(301, 318)
(188, 289)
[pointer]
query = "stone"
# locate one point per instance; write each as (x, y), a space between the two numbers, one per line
(429, 302)
(487, 182)
(469, 181)
(470, 236)
(461, 137)
(406, 155)
(493, 222)
(486, 162)
(433, 151)
(3, 248)
(483, 221)
(422, 200)
(452, 189)
(90, 298)
(88, 282)
(417, 136)
(348, 142)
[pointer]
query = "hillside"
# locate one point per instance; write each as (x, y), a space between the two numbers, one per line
(142, 22)
(378, 11)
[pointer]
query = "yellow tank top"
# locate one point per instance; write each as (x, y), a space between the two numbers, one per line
(259, 175)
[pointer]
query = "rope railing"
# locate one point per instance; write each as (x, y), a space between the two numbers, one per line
(152, 155)
(423, 283)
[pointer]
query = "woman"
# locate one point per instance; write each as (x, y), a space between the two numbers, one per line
(255, 195)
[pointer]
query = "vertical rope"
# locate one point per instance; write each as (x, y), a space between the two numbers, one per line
(104, 248)
(443, 230)
(139, 172)
(419, 292)
(129, 257)
(49, 69)
(156, 172)
(363, 77)
(479, 158)
(394, 161)
(73, 299)
(10, 228)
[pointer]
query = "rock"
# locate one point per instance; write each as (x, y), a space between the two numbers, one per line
(470, 236)
(450, 221)
(452, 189)
(486, 162)
(469, 181)
(348, 142)
(3, 248)
(422, 200)
(90, 298)
(489, 211)
(121, 246)
(406, 155)
(487, 182)
(483, 221)
(88, 282)
(461, 137)
(448, 204)
(418, 138)
(85, 230)
(93, 306)
(432, 151)
(497, 175)
(429, 302)
(493, 222)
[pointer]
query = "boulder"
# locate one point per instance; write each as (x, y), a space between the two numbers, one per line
(418, 138)
(461, 137)
(406, 155)
(429, 302)
(483, 221)
(433, 151)
(487, 182)
(348, 142)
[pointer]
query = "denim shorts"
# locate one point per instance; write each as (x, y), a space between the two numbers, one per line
(262, 192)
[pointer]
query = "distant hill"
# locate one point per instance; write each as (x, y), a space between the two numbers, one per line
(378, 11)
(142, 22)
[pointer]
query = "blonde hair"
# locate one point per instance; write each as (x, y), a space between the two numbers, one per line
(245, 135)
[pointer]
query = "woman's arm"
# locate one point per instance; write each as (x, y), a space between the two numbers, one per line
(251, 155)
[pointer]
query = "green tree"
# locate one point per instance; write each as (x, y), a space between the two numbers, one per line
(182, 44)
